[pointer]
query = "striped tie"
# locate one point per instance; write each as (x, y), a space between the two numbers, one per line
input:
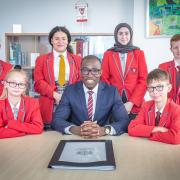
(15, 112)
(90, 105)
(62, 69)
(158, 117)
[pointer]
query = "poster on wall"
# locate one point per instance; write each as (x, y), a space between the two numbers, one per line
(162, 18)
(81, 9)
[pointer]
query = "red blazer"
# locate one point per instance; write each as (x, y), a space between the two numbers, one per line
(29, 118)
(45, 82)
(145, 122)
(170, 68)
(134, 79)
(4, 69)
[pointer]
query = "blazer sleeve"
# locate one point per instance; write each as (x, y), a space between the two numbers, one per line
(41, 86)
(105, 68)
(140, 89)
(62, 114)
(173, 135)
(120, 116)
(6, 132)
(33, 122)
(138, 127)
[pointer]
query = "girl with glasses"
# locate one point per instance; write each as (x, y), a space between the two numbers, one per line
(19, 114)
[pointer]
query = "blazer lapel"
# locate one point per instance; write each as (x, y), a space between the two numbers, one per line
(164, 115)
(99, 100)
(71, 66)
(9, 112)
(50, 68)
(130, 58)
(118, 66)
(81, 96)
(21, 112)
(151, 115)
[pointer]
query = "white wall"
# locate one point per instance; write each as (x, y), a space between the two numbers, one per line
(43, 15)
(157, 50)
(104, 15)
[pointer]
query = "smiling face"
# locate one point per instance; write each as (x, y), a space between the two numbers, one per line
(158, 90)
(90, 72)
(59, 41)
(123, 35)
(175, 49)
(16, 84)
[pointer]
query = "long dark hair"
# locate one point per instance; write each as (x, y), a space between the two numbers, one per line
(62, 29)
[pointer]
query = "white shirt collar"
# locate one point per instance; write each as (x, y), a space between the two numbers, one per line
(176, 64)
(161, 110)
(17, 105)
(95, 90)
(57, 54)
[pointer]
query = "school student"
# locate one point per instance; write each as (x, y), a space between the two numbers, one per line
(5, 67)
(19, 114)
(159, 119)
(124, 67)
(54, 71)
(173, 68)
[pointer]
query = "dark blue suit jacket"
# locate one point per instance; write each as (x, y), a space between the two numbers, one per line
(72, 108)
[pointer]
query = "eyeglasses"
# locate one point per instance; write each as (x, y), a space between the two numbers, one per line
(158, 88)
(14, 84)
(94, 71)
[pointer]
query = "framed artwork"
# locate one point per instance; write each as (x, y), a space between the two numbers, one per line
(162, 18)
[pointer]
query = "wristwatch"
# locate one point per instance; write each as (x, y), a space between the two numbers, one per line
(107, 130)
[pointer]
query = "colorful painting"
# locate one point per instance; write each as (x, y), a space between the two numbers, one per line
(163, 18)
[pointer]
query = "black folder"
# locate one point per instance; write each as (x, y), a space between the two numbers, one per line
(84, 154)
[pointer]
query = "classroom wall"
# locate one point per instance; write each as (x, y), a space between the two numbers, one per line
(104, 15)
(157, 50)
(43, 15)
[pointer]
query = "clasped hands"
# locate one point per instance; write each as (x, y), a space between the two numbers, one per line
(89, 129)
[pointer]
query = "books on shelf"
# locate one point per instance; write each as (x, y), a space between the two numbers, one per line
(80, 47)
(84, 154)
(17, 56)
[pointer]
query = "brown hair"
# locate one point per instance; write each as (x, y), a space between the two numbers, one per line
(9, 74)
(157, 75)
(175, 38)
(64, 30)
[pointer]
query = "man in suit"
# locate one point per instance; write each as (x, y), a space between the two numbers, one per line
(86, 106)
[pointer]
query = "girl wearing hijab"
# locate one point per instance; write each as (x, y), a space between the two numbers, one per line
(124, 67)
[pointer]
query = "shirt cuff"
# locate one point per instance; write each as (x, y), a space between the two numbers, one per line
(112, 132)
(66, 130)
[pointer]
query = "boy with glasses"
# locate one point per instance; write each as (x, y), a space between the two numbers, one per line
(173, 68)
(86, 106)
(159, 119)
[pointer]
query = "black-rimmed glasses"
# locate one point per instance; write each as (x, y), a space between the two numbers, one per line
(14, 84)
(158, 88)
(94, 71)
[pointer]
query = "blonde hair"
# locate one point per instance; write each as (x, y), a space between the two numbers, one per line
(10, 74)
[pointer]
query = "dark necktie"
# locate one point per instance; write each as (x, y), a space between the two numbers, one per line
(124, 97)
(158, 117)
(90, 105)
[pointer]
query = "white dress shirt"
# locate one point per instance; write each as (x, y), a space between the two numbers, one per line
(12, 106)
(56, 65)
